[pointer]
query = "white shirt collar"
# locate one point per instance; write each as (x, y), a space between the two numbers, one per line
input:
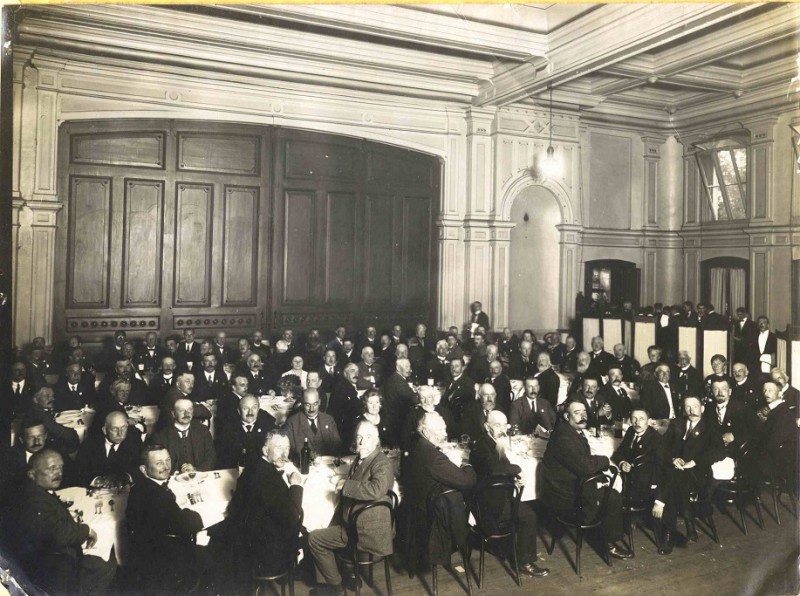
(775, 404)
(180, 427)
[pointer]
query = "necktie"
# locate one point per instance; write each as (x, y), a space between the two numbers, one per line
(485, 415)
(17, 389)
(688, 430)
(623, 393)
(721, 414)
(248, 428)
(184, 433)
(210, 378)
(314, 428)
(168, 489)
(636, 440)
(584, 439)
(355, 467)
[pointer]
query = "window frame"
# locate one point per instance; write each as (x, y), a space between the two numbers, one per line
(710, 152)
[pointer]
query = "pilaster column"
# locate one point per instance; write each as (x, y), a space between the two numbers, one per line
(652, 157)
(34, 240)
(762, 140)
(570, 272)
(480, 126)
(451, 273)
(478, 266)
(500, 242)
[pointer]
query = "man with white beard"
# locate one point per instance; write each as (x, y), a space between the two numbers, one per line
(489, 459)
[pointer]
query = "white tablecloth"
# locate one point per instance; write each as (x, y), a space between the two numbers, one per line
(277, 406)
(527, 452)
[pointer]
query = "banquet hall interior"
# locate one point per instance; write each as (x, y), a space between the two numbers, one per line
(573, 169)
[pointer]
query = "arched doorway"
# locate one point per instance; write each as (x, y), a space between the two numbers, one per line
(535, 260)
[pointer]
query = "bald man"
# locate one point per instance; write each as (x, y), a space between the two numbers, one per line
(113, 452)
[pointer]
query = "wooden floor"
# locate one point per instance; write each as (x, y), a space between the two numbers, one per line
(765, 562)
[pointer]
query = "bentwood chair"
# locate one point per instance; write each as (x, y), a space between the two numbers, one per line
(743, 485)
(776, 479)
(496, 510)
(581, 521)
(353, 556)
(286, 574)
(436, 504)
(634, 506)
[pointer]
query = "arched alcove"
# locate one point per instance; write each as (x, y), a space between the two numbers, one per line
(535, 260)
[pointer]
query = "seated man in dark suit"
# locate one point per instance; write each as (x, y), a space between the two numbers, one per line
(112, 453)
(123, 369)
(148, 357)
(187, 354)
(522, 364)
(568, 461)
(478, 368)
(476, 412)
(788, 393)
(597, 409)
(614, 394)
(330, 371)
(46, 540)
(162, 382)
(370, 478)
(74, 391)
(628, 365)
(438, 366)
(746, 388)
(530, 411)
(344, 405)
(240, 442)
(502, 386)
(161, 534)
(640, 457)
(183, 389)
(258, 381)
(779, 449)
(262, 518)
(581, 372)
(734, 421)
(42, 410)
(228, 403)
(648, 371)
(489, 459)
(570, 355)
(460, 391)
(691, 446)
(426, 472)
(210, 381)
(189, 442)
(601, 360)
(549, 381)
(687, 378)
(370, 372)
(660, 397)
(20, 392)
(318, 427)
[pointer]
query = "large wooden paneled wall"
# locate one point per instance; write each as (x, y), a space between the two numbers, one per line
(169, 225)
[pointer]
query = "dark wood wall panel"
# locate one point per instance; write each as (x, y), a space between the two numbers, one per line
(416, 266)
(193, 210)
(219, 153)
(378, 249)
(299, 246)
(240, 276)
(142, 236)
(144, 150)
(320, 161)
(340, 265)
(90, 218)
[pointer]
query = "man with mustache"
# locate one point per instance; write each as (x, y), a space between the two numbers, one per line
(489, 459)
(530, 410)
(46, 540)
(262, 519)
(567, 462)
(614, 394)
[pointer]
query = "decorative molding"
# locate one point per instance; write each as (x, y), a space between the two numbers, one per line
(207, 320)
(79, 324)
(305, 320)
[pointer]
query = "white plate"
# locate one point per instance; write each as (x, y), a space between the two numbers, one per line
(69, 414)
(185, 478)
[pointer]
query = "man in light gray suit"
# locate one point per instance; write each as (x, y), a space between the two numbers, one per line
(370, 479)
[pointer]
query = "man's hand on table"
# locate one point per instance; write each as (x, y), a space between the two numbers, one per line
(340, 484)
(295, 479)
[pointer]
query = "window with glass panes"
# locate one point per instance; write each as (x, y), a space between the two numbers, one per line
(723, 169)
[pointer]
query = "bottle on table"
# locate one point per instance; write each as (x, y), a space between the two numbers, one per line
(597, 423)
(618, 427)
(305, 457)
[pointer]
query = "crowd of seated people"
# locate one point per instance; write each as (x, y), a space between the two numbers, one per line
(359, 393)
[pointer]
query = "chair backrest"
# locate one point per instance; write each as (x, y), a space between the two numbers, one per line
(636, 465)
(496, 496)
(352, 526)
(599, 478)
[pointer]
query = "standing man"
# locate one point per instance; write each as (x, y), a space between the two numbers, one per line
(460, 391)
(370, 478)
(549, 381)
(745, 335)
(765, 347)
(398, 398)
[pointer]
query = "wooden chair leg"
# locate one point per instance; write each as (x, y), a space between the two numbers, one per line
(758, 511)
(517, 577)
(387, 571)
(578, 546)
(775, 498)
(552, 544)
(630, 528)
(713, 526)
(466, 570)
(283, 588)
(257, 589)
(481, 561)
(435, 582)
(740, 507)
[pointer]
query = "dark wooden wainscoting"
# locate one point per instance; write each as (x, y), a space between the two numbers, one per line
(174, 224)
